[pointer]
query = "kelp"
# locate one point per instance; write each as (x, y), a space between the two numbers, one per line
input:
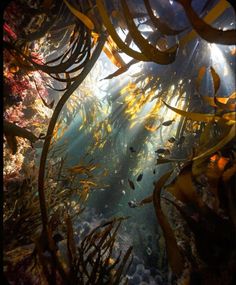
(226, 139)
(53, 121)
(183, 188)
(220, 102)
(210, 229)
(216, 80)
(86, 263)
(121, 70)
(194, 116)
(92, 261)
(161, 26)
(175, 258)
(112, 53)
(22, 200)
(95, 252)
(206, 31)
(151, 52)
(82, 17)
(76, 47)
(112, 32)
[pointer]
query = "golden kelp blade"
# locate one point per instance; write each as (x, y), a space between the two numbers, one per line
(111, 30)
(227, 106)
(83, 18)
(206, 31)
(216, 79)
(211, 101)
(111, 57)
(155, 55)
(233, 95)
(231, 117)
(112, 53)
(221, 144)
(194, 116)
(88, 183)
(222, 103)
(95, 37)
(79, 169)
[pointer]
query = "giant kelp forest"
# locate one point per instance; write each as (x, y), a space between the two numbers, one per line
(119, 142)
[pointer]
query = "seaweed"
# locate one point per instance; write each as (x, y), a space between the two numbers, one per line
(56, 44)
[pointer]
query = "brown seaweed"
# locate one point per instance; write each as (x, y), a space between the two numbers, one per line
(161, 57)
(175, 258)
(161, 26)
(206, 31)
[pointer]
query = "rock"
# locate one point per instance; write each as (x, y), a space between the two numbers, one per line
(146, 277)
(140, 269)
(136, 279)
(136, 260)
(158, 279)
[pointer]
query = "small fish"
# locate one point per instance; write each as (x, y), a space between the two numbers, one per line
(132, 204)
(132, 149)
(167, 123)
(123, 192)
(160, 151)
(131, 184)
(140, 177)
(122, 181)
(154, 171)
(171, 140)
(163, 151)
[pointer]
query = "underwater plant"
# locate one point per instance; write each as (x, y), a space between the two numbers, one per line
(51, 49)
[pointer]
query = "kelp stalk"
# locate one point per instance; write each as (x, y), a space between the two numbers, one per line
(52, 124)
(174, 255)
